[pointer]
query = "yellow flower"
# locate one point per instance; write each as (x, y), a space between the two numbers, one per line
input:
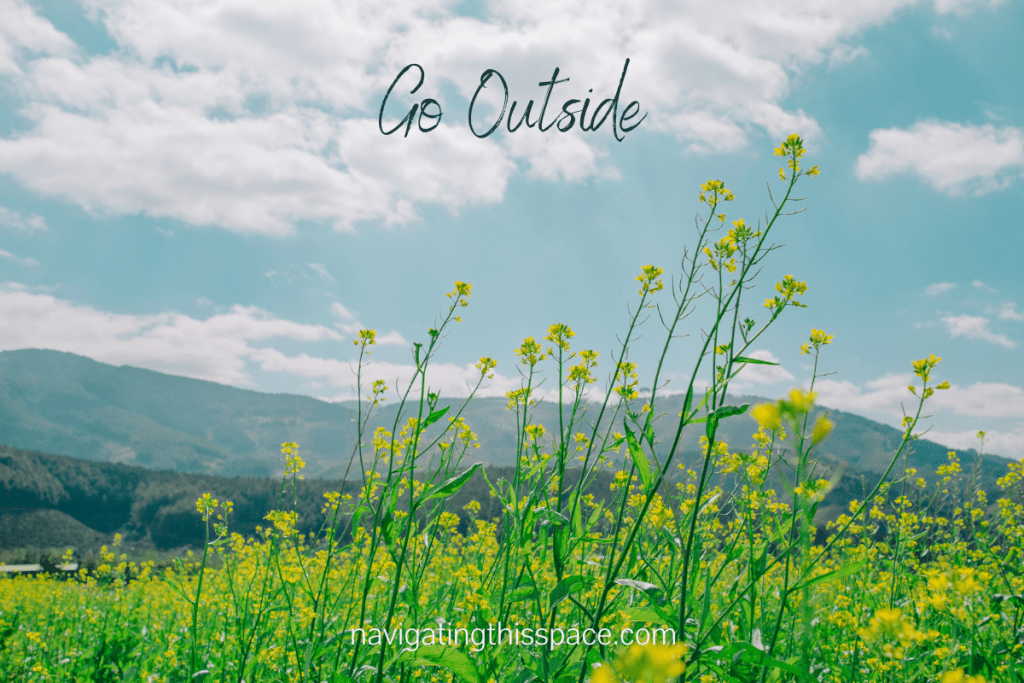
(560, 335)
(822, 428)
(530, 352)
(292, 462)
(647, 663)
(517, 397)
(768, 415)
(649, 281)
(366, 338)
(789, 288)
(923, 367)
(461, 293)
(800, 402)
(814, 490)
(958, 676)
(206, 505)
(717, 191)
(283, 521)
(486, 364)
(817, 340)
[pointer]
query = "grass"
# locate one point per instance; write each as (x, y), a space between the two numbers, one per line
(913, 583)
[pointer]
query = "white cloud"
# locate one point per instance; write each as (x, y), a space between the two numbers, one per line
(23, 31)
(751, 375)
(4, 254)
(962, 7)
(885, 394)
(981, 403)
(450, 379)
(1008, 311)
(257, 117)
(343, 313)
(393, 338)
(218, 349)
(16, 221)
(214, 349)
(321, 270)
(976, 327)
(939, 288)
(844, 54)
(1005, 443)
(953, 158)
(983, 399)
(349, 324)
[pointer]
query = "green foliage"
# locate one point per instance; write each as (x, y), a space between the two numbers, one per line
(914, 580)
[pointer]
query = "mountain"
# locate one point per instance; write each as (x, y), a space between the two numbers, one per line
(144, 445)
(66, 404)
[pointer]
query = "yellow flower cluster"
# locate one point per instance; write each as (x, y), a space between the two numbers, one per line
(714, 191)
(644, 664)
(789, 289)
(530, 352)
(649, 280)
(817, 340)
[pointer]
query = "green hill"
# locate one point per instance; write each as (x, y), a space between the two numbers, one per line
(138, 447)
(62, 403)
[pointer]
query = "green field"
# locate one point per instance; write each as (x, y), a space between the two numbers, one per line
(635, 565)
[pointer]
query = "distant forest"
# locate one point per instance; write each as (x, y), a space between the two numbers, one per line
(57, 502)
(52, 501)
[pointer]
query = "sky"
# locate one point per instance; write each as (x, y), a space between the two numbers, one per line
(203, 188)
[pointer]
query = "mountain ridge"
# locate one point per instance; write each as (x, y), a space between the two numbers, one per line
(61, 403)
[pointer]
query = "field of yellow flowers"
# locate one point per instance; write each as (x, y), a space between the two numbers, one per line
(680, 572)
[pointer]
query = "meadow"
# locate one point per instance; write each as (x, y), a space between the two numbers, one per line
(695, 571)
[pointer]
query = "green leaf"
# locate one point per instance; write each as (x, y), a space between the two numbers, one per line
(435, 416)
(550, 516)
(759, 658)
(577, 515)
(450, 658)
(688, 403)
(639, 457)
(522, 593)
(729, 411)
(840, 573)
(653, 612)
(753, 361)
(643, 614)
(568, 586)
(387, 528)
(650, 434)
(447, 488)
(595, 515)
(357, 515)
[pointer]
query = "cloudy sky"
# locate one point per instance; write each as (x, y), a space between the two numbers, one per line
(202, 188)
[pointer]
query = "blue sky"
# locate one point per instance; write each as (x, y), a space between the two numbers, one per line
(202, 188)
